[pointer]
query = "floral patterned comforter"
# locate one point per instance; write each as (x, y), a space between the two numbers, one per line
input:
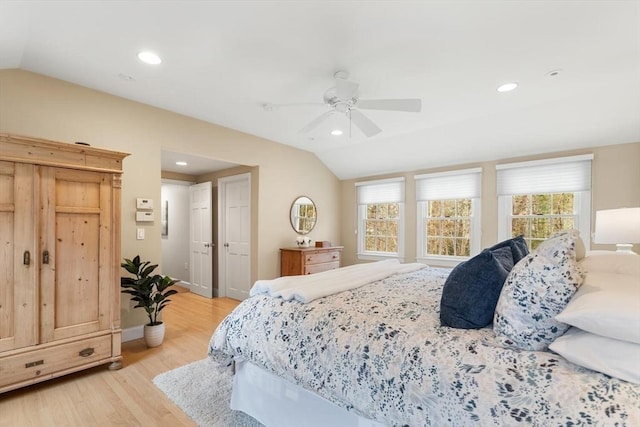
(380, 351)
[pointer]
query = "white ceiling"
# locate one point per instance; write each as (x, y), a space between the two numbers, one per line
(222, 60)
(195, 165)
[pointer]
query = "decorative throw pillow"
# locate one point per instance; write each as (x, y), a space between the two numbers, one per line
(618, 359)
(607, 304)
(471, 291)
(518, 245)
(536, 290)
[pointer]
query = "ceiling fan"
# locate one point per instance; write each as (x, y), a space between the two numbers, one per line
(344, 98)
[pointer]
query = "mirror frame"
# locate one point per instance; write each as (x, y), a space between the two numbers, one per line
(292, 216)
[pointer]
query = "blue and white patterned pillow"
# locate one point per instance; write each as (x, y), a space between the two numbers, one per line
(537, 289)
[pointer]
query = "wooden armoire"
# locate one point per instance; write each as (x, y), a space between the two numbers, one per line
(59, 259)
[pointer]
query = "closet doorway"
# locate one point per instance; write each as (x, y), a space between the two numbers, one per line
(177, 224)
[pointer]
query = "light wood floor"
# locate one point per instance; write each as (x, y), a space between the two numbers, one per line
(128, 397)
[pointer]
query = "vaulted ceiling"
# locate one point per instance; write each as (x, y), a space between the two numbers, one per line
(222, 61)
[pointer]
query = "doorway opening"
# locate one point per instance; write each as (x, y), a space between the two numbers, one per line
(190, 221)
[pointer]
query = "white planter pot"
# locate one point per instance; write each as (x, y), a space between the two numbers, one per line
(153, 335)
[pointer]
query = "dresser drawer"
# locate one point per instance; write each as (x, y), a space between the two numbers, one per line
(321, 257)
(299, 261)
(317, 268)
(42, 363)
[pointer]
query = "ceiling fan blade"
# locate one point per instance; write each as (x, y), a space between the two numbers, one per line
(316, 122)
(413, 105)
(364, 124)
(345, 89)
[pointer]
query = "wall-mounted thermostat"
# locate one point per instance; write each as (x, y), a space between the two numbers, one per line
(144, 203)
(144, 216)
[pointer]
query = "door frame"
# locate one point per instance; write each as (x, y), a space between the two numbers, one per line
(222, 253)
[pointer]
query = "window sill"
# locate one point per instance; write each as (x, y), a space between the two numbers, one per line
(379, 257)
(442, 261)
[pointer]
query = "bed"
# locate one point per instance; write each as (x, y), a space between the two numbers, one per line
(378, 352)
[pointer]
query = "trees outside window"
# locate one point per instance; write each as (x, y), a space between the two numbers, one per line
(538, 216)
(448, 227)
(381, 227)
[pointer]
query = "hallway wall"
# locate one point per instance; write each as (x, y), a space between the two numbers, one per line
(175, 245)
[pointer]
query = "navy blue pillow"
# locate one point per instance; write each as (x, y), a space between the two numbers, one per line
(518, 245)
(470, 293)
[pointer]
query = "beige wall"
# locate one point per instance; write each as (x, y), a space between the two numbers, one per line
(38, 106)
(615, 183)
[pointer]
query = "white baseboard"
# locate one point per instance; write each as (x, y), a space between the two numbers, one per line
(133, 333)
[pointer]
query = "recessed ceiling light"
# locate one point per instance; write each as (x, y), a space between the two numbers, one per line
(336, 132)
(149, 57)
(181, 163)
(507, 87)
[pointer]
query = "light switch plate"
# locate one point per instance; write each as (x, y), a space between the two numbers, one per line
(140, 234)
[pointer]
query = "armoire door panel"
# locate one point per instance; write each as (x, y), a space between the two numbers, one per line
(18, 298)
(75, 230)
(77, 269)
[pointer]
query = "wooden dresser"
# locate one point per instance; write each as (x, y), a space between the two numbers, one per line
(297, 261)
(59, 259)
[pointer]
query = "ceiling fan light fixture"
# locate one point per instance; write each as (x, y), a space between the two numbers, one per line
(149, 57)
(336, 132)
(507, 87)
(344, 98)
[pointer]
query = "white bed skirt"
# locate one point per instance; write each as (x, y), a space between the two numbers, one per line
(276, 402)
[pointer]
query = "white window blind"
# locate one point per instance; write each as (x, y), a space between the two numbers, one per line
(383, 191)
(561, 175)
(463, 184)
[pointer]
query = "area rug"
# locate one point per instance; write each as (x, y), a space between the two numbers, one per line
(203, 390)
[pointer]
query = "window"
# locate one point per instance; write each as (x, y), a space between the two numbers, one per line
(448, 215)
(380, 218)
(537, 199)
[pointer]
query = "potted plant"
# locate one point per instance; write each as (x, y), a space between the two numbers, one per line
(151, 292)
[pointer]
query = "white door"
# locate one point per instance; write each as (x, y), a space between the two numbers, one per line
(234, 200)
(200, 238)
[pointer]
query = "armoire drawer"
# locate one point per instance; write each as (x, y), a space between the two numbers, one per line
(38, 364)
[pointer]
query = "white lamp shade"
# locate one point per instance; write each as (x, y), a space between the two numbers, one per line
(617, 226)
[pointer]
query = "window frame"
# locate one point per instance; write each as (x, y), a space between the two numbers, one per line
(447, 260)
(581, 192)
(581, 214)
(376, 255)
(475, 232)
(361, 216)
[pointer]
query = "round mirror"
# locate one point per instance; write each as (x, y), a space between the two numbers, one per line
(303, 215)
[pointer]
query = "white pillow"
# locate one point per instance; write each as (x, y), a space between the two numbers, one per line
(611, 262)
(615, 358)
(580, 249)
(606, 304)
